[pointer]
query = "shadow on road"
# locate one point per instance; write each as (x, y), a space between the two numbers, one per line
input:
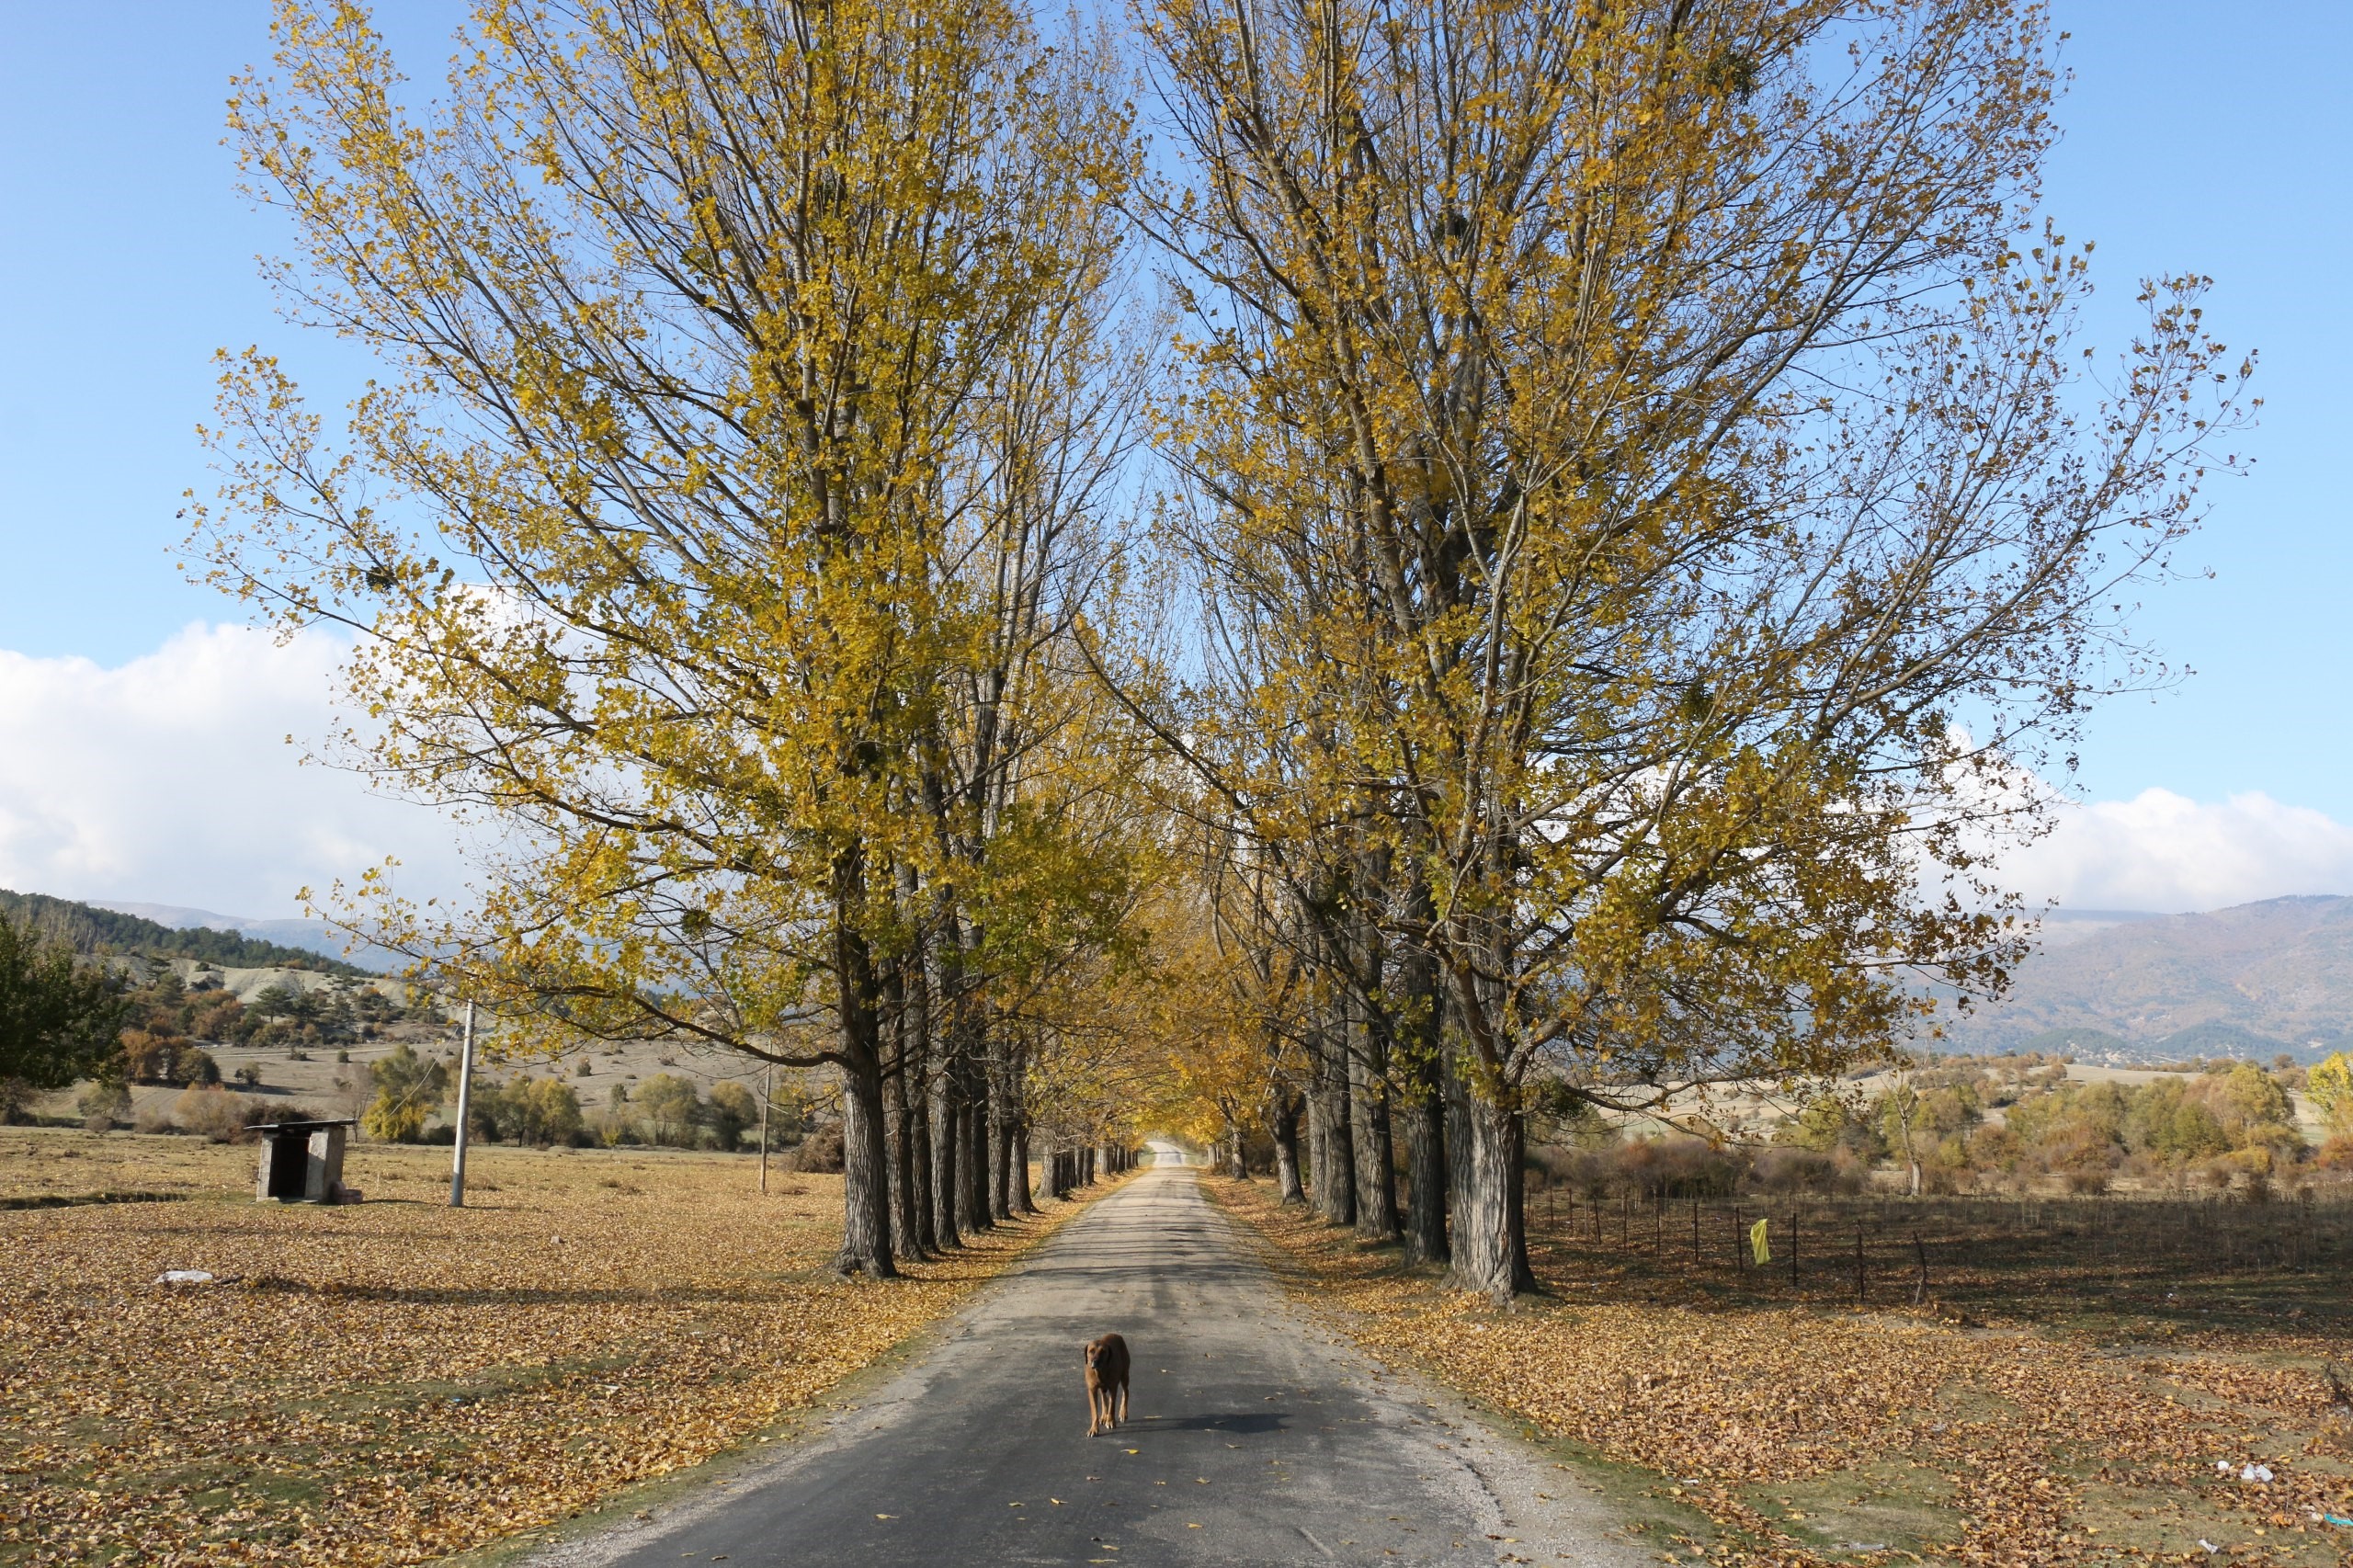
(1240, 1421)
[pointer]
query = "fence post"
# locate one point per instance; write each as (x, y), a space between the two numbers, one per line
(1861, 1296)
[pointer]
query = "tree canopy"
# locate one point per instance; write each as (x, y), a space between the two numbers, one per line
(58, 1018)
(1533, 558)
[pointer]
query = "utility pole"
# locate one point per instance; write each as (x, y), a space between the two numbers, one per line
(768, 1093)
(465, 1095)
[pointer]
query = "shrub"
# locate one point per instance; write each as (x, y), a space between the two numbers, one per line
(731, 1109)
(108, 1099)
(2329, 1086)
(819, 1153)
(1794, 1169)
(409, 1088)
(1679, 1167)
(672, 1110)
(151, 1058)
(1993, 1149)
(527, 1110)
(216, 1114)
(219, 1016)
(1672, 1167)
(2082, 1156)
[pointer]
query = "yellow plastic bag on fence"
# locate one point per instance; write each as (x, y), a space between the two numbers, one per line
(1759, 1246)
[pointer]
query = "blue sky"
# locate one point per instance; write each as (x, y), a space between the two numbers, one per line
(2198, 137)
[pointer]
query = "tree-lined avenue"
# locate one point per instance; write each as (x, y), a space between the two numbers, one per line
(1253, 1438)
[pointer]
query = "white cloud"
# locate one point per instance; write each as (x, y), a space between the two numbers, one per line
(169, 780)
(2165, 852)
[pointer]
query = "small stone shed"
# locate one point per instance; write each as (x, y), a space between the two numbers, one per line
(301, 1162)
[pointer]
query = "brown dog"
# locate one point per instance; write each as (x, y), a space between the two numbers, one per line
(1107, 1383)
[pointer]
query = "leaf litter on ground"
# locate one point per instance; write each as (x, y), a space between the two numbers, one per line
(399, 1380)
(1798, 1428)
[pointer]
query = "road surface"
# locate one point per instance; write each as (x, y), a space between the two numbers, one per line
(1254, 1437)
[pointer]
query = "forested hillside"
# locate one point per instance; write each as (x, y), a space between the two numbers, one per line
(95, 930)
(2250, 981)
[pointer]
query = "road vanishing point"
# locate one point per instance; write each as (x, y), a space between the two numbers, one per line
(1256, 1436)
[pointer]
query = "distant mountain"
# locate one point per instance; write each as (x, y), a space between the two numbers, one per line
(214, 940)
(313, 936)
(2251, 981)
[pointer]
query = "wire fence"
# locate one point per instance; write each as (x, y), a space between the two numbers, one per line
(1869, 1249)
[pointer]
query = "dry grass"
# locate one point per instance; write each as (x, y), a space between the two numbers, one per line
(398, 1381)
(1810, 1434)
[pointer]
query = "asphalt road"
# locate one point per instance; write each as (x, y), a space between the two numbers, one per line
(1254, 1437)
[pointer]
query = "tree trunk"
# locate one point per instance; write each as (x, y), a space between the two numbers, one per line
(971, 1141)
(1006, 1177)
(865, 1183)
(945, 1115)
(1420, 1069)
(1373, 1155)
(1490, 1241)
(907, 1231)
(1426, 1168)
(1286, 1130)
(866, 1180)
(1025, 1201)
(919, 1077)
(1335, 1188)
(1318, 1142)
(1458, 1132)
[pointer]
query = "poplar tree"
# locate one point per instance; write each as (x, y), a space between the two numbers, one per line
(649, 536)
(1652, 444)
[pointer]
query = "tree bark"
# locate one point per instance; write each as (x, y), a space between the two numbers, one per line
(1005, 1181)
(945, 1115)
(907, 1231)
(1286, 1132)
(865, 1181)
(972, 1141)
(1489, 1239)
(1374, 1156)
(1417, 1068)
(1458, 1129)
(919, 1077)
(1318, 1140)
(1335, 1188)
(1426, 1176)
